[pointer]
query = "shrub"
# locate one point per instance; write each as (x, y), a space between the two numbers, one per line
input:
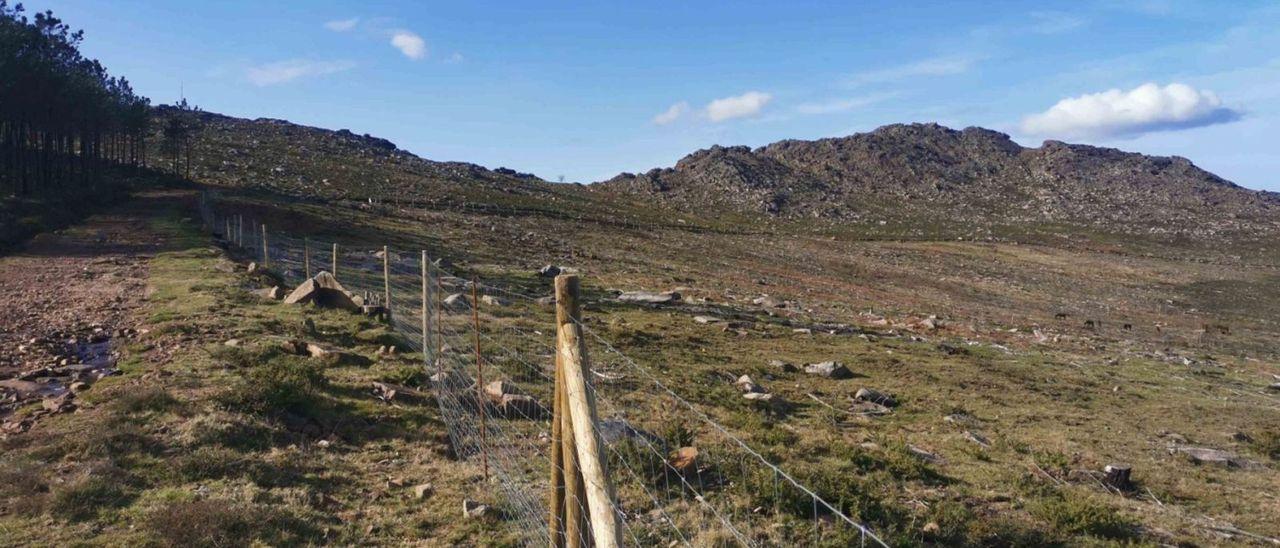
(286, 384)
(1074, 515)
(83, 498)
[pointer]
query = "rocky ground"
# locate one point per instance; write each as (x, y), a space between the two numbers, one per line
(69, 297)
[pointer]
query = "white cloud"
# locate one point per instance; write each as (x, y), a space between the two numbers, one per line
(1054, 22)
(1117, 113)
(842, 105)
(671, 114)
(409, 43)
(454, 59)
(281, 72)
(747, 104)
(937, 66)
(342, 25)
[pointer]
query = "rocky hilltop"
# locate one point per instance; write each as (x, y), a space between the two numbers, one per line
(930, 173)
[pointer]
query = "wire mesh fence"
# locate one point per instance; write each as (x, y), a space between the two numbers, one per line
(489, 348)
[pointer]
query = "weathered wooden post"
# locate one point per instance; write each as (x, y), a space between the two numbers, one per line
(335, 260)
(266, 253)
(426, 310)
(580, 413)
(480, 398)
(386, 281)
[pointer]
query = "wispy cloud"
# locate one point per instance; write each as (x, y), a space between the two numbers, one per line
(409, 43)
(1055, 22)
(282, 72)
(673, 113)
(936, 66)
(747, 104)
(342, 25)
(454, 58)
(1117, 113)
(843, 104)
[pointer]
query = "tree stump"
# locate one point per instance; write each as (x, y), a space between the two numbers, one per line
(1117, 476)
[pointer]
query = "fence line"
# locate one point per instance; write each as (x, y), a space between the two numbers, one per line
(659, 499)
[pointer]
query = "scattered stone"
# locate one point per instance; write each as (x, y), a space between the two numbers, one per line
(457, 301)
(931, 528)
(1117, 476)
(253, 268)
(323, 290)
(745, 384)
(316, 351)
(867, 394)
(497, 389)
(422, 491)
(768, 302)
(961, 419)
(1205, 455)
(273, 293)
(490, 300)
(786, 367)
(616, 430)
(472, 509)
(758, 396)
(295, 347)
(59, 404)
(802, 331)
(705, 319)
(979, 439)
(78, 386)
(546, 301)
(1274, 387)
(684, 459)
(829, 369)
(924, 455)
(232, 343)
(647, 297)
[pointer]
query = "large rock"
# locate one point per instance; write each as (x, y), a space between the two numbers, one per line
(490, 300)
(457, 301)
(648, 297)
(323, 290)
(867, 394)
(1205, 455)
(829, 369)
(549, 271)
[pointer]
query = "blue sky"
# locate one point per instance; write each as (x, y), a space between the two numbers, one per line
(590, 89)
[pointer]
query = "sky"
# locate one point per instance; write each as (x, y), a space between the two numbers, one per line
(586, 90)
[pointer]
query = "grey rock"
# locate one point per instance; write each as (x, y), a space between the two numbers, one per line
(647, 297)
(829, 369)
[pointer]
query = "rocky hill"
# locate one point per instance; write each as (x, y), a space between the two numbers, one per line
(927, 173)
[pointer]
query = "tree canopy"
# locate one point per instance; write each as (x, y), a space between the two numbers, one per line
(62, 116)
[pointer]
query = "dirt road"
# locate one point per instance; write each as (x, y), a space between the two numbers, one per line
(66, 299)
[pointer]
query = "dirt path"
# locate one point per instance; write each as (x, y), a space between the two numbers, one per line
(66, 298)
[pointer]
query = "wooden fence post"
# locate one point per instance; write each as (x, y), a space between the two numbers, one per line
(306, 256)
(335, 260)
(480, 397)
(426, 311)
(571, 351)
(266, 252)
(386, 281)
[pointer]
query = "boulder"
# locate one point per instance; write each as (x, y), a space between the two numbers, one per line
(829, 369)
(1118, 476)
(979, 439)
(273, 293)
(867, 394)
(520, 406)
(549, 271)
(758, 396)
(745, 384)
(768, 302)
(923, 454)
(323, 290)
(59, 404)
(786, 367)
(472, 509)
(490, 300)
(422, 491)
(1205, 455)
(648, 297)
(1274, 387)
(497, 389)
(456, 301)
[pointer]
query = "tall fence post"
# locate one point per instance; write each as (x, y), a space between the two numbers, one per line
(573, 364)
(386, 281)
(480, 397)
(266, 252)
(335, 260)
(306, 256)
(426, 311)
(239, 230)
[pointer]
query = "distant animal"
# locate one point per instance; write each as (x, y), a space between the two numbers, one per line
(1128, 327)
(1060, 316)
